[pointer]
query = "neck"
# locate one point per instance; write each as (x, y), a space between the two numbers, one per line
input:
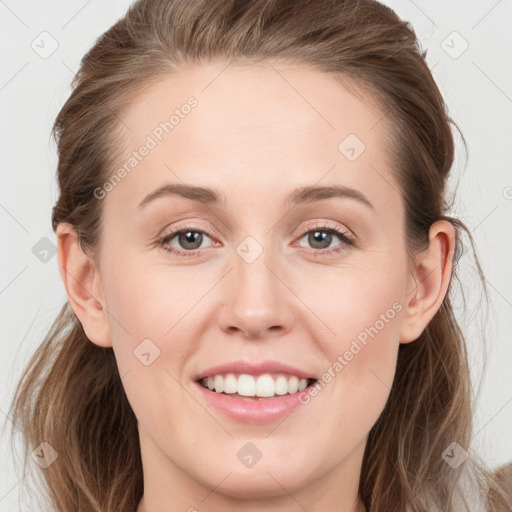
(168, 487)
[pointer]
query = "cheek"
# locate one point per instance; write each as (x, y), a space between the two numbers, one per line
(148, 323)
(361, 363)
(148, 300)
(145, 308)
(357, 306)
(363, 310)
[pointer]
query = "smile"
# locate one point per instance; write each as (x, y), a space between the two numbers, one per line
(263, 386)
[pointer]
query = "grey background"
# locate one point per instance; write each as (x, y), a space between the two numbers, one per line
(476, 83)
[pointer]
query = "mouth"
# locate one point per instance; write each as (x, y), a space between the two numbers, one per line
(254, 392)
(246, 386)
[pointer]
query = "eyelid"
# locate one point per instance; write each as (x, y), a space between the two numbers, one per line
(346, 237)
(326, 225)
(186, 227)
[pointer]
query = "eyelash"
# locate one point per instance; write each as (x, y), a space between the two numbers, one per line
(348, 240)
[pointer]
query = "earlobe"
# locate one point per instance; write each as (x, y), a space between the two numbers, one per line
(429, 281)
(82, 282)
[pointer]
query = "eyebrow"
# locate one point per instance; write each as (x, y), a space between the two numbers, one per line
(317, 193)
(298, 196)
(195, 193)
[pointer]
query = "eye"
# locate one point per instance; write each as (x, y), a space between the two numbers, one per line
(188, 239)
(320, 238)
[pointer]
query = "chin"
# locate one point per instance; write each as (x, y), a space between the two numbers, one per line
(260, 481)
(252, 484)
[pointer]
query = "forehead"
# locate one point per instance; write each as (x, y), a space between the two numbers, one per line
(254, 128)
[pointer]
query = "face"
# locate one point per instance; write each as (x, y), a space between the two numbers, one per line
(272, 277)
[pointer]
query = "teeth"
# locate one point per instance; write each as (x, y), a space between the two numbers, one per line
(281, 386)
(246, 385)
(219, 383)
(263, 386)
(293, 385)
(230, 384)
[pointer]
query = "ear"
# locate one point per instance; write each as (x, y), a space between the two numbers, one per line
(429, 281)
(82, 281)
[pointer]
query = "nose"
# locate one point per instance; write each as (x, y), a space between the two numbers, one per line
(258, 304)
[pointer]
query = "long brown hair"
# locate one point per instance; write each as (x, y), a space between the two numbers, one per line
(71, 394)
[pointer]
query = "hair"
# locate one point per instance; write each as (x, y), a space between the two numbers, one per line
(504, 477)
(71, 394)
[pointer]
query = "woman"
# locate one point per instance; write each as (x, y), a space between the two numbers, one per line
(216, 353)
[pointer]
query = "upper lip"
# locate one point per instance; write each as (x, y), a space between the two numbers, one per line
(253, 368)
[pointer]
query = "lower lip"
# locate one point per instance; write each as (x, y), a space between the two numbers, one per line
(250, 410)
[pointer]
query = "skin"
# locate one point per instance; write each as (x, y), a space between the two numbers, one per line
(255, 136)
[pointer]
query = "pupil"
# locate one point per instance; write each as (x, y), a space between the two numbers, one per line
(190, 237)
(320, 236)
